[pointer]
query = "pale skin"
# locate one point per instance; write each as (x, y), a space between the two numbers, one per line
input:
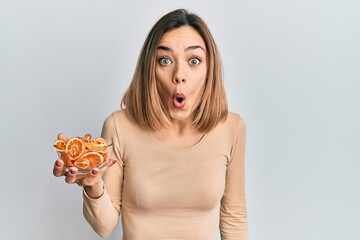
(181, 68)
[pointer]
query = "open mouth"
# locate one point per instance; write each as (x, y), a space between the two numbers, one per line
(179, 100)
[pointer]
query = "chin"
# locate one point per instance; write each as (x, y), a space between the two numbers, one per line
(179, 116)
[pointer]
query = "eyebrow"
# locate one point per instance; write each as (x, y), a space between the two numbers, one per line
(190, 48)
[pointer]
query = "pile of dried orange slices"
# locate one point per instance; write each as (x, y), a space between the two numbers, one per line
(83, 152)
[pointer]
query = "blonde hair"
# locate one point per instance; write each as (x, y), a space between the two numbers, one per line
(142, 101)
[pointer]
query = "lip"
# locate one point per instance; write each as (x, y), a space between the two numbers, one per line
(179, 100)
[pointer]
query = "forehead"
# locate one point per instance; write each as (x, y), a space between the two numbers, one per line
(182, 37)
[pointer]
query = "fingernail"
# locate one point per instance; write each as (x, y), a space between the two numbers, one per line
(114, 161)
(72, 171)
(94, 171)
(58, 163)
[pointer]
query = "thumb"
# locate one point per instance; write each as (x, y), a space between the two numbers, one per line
(62, 136)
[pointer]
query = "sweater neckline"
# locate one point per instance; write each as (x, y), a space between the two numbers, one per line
(156, 141)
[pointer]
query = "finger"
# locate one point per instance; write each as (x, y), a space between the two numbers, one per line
(112, 162)
(62, 136)
(94, 172)
(71, 175)
(109, 164)
(59, 169)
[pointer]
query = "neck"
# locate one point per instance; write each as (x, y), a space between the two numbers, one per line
(180, 128)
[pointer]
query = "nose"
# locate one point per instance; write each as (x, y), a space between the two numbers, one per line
(179, 75)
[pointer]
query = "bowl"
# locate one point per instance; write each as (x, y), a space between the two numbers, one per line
(84, 154)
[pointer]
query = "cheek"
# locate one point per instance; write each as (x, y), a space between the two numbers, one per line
(161, 77)
(201, 81)
(162, 86)
(198, 90)
(202, 75)
(200, 86)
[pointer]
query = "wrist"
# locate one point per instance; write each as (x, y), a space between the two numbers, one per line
(95, 191)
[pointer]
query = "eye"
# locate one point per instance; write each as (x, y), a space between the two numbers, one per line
(164, 61)
(194, 61)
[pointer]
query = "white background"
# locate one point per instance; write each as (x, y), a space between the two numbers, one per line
(291, 70)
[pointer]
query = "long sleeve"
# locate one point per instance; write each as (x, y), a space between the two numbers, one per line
(233, 212)
(103, 213)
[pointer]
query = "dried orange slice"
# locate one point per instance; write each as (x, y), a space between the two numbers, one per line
(82, 152)
(65, 158)
(82, 163)
(59, 145)
(75, 148)
(98, 145)
(94, 158)
(87, 138)
(105, 155)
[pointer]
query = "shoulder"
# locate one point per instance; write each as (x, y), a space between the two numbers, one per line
(111, 122)
(118, 116)
(235, 121)
(120, 122)
(230, 129)
(234, 127)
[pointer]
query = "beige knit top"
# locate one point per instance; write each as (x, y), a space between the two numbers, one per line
(167, 193)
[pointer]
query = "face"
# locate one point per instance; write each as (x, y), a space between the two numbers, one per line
(180, 72)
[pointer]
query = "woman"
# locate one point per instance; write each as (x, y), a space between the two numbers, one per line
(179, 168)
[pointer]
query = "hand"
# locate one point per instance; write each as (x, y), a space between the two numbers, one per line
(91, 182)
